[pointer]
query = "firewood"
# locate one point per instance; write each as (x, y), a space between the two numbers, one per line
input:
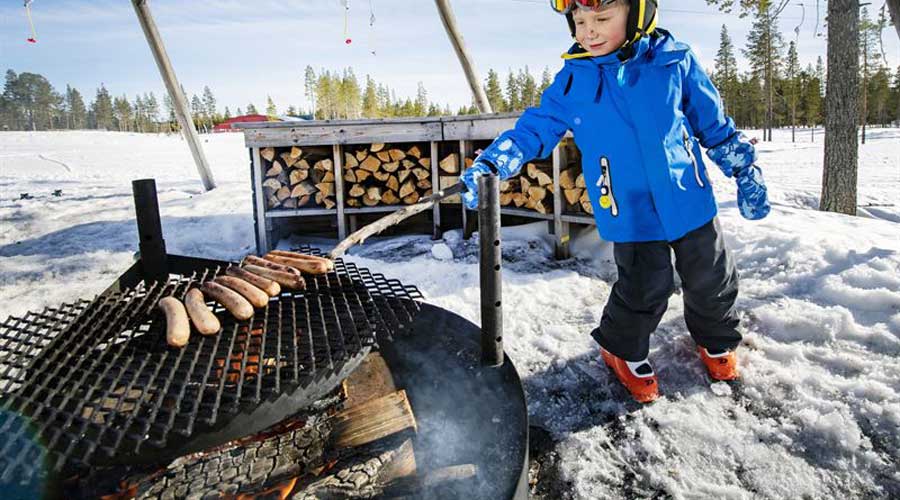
(329, 203)
(361, 154)
(470, 162)
(372, 420)
(327, 188)
(404, 174)
(376, 147)
(392, 183)
(505, 186)
(421, 173)
(288, 160)
(397, 155)
(427, 193)
(289, 203)
(579, 182)
(408, 164)
(587, 207)
(430, 484)
(283, 193)
(303, 189)
(356, 191)
(369, 201)
(272, 201)
(362, 175)
(538, 206)
(425, 162)
(543, 179)
(390, 198)
(532, 170)
(411, 199)
(298, 175)
(354, 203)
(524, 183)
(390, 166)
(325, 165)
(371, 164)
(584, 196)
(567, 179)
(272, 184)
(424, 184)
(450, 164)
(572, 195)
(537, 193)
(302, 164)
(350, 161)
(381, 176)
(275, 169)
(384, 156)
(328, 177)
(519, 199)
(320, 197)
(374, 193)
(446, 181)
(350, 176)
(303, 200)
(268, 153)
(407, 189)
(506, 199)
(414, 152)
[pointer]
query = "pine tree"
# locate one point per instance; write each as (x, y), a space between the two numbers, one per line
(152, 110)
(529, 89)
(494, 92)
(76, 108)
(546, 80)
(513, 92)
(895, 91)
(370, 99)
(792, 68)
(198, 113)
(763, 50)
(726, 76)
(251, 109)
(103, 109)
(271, 110)
(123, 113)
(869, 61)
(310, 81)
(209, 105)
(227, 115)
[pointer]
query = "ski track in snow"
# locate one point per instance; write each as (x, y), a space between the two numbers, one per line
(817, 413)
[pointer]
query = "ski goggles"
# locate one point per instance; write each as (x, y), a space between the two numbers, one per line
(567, 6)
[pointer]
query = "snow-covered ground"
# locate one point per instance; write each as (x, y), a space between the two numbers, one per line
(817, 414)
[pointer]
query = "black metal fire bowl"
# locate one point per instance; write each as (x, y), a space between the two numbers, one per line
(467, 413)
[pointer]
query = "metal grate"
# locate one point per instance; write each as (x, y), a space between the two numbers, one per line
(93, 382)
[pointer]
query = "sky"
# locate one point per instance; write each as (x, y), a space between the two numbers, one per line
(245, 50)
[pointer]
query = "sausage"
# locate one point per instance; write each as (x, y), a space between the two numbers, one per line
(178, 330)
(302, 256)
(255, 296)
(256, 261)
(302, 265)
(272, 288)
(236, 305)
(287, 280)
(201, 316)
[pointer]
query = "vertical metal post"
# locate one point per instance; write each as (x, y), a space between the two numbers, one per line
(490, 274)
(179, 101)
(152, 245)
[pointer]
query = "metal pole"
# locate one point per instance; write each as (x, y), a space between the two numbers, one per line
(142, 9)
(152, 245)
(490, 275)
(449, 20)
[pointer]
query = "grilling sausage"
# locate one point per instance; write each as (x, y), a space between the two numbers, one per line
(178, 330)
(255, 296)
(256, 261)
(201, 316)
(236, 305)
(302, 256)
(307, 266)
(285, 279)
(272, 288)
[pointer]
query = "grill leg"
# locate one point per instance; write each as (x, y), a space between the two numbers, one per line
(490, 276)
(152, 244)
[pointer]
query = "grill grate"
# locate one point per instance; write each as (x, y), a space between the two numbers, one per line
(94, 382)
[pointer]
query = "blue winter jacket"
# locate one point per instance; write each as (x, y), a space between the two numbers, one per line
(639, 126)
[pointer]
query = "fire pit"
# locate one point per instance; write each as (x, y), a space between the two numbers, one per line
(91, 389)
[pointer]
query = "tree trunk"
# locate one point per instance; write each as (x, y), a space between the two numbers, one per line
(841, 108)
(894, 6)
(865, 85)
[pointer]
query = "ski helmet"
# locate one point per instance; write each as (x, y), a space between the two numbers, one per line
(642, 19)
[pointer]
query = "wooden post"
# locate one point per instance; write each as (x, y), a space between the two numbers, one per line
(259, 203)
(438, 232)
(449, 20)
(178, 99)
(560, 228)
(339, 187)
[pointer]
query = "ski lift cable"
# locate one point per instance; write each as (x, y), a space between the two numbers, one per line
(347, 38)
(27, 5)
(799, 26)
(372, 47)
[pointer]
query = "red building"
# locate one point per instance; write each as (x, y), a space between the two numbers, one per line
(226, 125)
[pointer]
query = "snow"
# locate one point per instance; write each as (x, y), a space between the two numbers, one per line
(817, 413)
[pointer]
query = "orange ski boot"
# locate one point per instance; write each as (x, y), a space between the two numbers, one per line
(721, 366)
(637, 377)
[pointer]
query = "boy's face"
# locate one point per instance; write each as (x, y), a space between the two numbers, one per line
(601, 32)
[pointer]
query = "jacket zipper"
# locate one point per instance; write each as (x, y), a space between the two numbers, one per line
(607, 199)
(687, 147)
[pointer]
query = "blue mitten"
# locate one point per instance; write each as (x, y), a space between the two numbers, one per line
(752, 195)
(733, 155)
(502, 157)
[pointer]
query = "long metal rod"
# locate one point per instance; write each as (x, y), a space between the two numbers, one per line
(449, 20)
(490, 274)
(179, 101)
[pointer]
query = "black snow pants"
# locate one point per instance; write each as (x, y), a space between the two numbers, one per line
(640, 296)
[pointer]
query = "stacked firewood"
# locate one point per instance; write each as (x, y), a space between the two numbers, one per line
(381, 175)
(531, 189)
(294, 179)
(574, 190)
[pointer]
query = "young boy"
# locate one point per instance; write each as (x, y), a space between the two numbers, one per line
(640, 106)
